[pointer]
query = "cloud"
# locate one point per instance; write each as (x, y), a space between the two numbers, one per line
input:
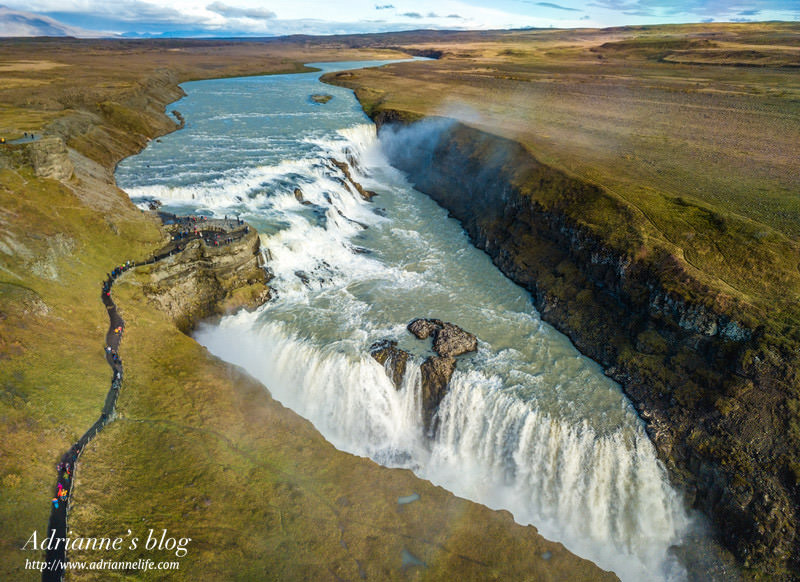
(719, 9)
(556, 6)
(627, 8)
(251, 17)
(127, 11)
(236, 12)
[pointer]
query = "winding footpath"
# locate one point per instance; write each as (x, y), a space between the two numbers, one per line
(56, 558)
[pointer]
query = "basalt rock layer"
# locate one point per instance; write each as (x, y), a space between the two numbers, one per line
(713, 394)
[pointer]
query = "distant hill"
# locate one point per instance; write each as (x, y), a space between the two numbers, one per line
(18, 23)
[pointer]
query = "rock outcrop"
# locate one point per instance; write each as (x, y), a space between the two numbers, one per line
(203, 281)
(392, 358)
(449, 341)
(435, 372)
(298, 194)
(713, 396)
(49, 158)
(349, 181)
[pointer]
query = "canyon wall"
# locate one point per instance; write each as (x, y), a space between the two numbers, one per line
(711, 391)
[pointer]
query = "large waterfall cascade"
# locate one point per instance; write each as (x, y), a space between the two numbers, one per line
(528, 425)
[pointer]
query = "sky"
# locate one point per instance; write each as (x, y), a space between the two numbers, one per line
(268, 17)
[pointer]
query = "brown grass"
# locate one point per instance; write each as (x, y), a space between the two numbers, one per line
(704, 154)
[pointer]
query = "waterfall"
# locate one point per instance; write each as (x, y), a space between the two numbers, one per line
(528, 425)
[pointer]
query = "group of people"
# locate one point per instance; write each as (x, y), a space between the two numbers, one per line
(113, 354)
(117, 271)
(215, 240)
(210, 237)
(61, 491)
(184, 233)
(194, 219)
(239, 221)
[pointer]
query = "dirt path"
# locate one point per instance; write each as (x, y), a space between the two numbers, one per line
(57, 557)
(212, 235)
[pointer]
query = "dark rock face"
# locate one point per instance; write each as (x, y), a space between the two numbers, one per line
(713, 395)
(436, 371)
(298, 194)
(392, 358)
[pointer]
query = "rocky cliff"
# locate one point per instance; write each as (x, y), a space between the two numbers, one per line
(712, 391)
(203, 281)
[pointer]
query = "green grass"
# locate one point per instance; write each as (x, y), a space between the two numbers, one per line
(53, 376)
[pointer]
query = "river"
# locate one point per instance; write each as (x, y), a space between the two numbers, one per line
(529, 424)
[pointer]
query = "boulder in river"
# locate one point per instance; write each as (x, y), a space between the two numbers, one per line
(448, 340)
(298, 194)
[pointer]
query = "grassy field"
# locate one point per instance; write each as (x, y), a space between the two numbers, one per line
(199, 449)
(693, 127)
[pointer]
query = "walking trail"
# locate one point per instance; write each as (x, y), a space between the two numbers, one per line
(184, 230)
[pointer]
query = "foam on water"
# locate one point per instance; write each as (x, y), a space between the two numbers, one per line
(528, 425)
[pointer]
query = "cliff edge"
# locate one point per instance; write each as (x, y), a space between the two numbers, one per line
(714, 393)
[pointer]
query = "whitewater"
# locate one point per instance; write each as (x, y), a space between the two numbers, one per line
(529, 425)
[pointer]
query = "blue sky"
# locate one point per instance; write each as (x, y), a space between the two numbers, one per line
(264, 17)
